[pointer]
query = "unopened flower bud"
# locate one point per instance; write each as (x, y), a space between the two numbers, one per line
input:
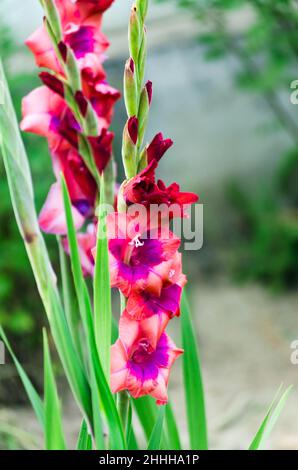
(129, 150)
(130, 88)
(142, 6)
(132, 128)
(142, 57)
(145, 101)
(134, 34)
(52, 82)
(88, 113)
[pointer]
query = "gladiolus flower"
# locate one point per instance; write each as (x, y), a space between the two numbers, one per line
(143, 189)
(158, 147)
(81, 23)
(142, 369)
(103, 98)
(140, 258)
(52, 216)
(46, 113)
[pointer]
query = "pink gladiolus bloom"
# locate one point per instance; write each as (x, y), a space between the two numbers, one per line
(40, 45)
(143, 304)
(46, 113)
(140, 258)
(141, 368)
(81, 185)
(103, 98)
(81, 22)
(152, 327)
(79, 10)
(86, 243)
(52, 216)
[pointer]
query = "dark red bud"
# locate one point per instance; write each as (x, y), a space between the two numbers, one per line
(148, 87)
(82, 102)
(133, 128)
(102, 148)
(52, 82)
(63, 50)
(132, 65)
(158, 147)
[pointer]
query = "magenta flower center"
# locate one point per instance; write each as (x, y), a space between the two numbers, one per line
(142, 354)
(145, 361)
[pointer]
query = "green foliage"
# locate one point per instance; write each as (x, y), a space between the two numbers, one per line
(267, 242)
(193, 384)
(20, 309)
(155, 438)
(53, 431)
(269, 421)
(266, 64)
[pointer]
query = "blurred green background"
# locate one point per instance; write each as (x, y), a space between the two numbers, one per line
(222, 72)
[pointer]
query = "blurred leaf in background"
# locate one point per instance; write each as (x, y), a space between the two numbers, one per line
(20, 306)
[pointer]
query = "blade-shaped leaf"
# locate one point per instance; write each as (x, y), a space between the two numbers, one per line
(269, 421)
(97, 418)
(21, 193)
(69, 301)
(171, 429)
(155, 438)
(78, 277)
(147, 412)
(99, 383)
(193, 384)
(54, 436)
(84, 439)
(102, 289)
(33, 396)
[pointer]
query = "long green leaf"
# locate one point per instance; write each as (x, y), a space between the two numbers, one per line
(54, 436)
(155, 438)
(78, 277)
(102, 289)
(193, 384)
(147, 412)
(84, 439)
(171, 429)
(97, 418)
(21, 192)
(69, 301)
(269, 421)
(33, 396)
(99, 384)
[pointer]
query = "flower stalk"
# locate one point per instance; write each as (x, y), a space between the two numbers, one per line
(137, 95)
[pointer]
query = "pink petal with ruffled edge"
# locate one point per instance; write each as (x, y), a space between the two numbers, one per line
(52, 217)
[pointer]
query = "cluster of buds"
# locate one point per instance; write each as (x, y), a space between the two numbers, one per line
(73, 110)
(145, 264)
